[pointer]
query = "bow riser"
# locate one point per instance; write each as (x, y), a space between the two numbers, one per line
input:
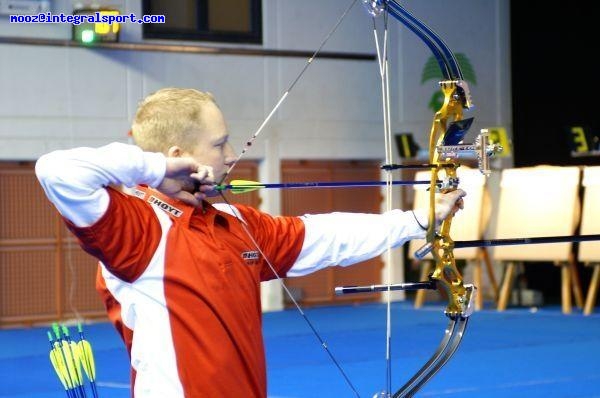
(446, 274)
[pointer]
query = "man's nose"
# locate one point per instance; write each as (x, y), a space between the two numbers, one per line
(230, 155)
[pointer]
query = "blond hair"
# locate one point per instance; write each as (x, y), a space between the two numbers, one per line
(170, 117)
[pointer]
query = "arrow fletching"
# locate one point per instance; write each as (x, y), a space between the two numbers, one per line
(58, 363)
(72, 354)
(70, 363)
(241, 186)
(87, 359)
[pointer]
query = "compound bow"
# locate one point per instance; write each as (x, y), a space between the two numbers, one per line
(445, 145)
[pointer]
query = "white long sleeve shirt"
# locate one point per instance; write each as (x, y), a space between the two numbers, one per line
(182, 285)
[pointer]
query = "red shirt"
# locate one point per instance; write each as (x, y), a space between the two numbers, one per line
(182, 287)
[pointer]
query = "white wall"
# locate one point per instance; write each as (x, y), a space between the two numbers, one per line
(59, 97)
(55, 97)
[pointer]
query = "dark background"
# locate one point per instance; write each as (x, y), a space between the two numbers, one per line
(554, 86)
(554, 80)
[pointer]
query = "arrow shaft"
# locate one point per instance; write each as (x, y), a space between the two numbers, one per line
(525, 241)
(322, 184)
(384, 288)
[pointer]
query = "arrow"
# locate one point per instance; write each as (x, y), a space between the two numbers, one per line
(525, 241)
(68, 357)
(461, 244)
(87, 360)
(58, 362)
(64, 358)
(243, 186)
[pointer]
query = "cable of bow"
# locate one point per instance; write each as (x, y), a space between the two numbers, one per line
(383, 62)
(249, 233)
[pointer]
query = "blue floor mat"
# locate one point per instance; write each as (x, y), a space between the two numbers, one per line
(516, 353)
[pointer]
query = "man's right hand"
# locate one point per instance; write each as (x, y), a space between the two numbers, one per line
(182, 175)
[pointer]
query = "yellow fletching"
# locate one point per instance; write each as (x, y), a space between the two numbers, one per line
(246, 182)
(70, 362)
(243, 186)
(58, 361)
(57, 369)
(87, 359)
(77, 361)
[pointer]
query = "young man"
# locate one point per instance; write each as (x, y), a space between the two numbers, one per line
(181, 278)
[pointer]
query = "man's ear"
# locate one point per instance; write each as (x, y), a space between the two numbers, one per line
(174, 152)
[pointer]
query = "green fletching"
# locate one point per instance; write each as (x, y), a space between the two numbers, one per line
(65, 330)
(56, 330)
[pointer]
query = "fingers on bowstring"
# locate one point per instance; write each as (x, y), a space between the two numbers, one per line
(205, 188)
(200, 196)
(204, 173)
